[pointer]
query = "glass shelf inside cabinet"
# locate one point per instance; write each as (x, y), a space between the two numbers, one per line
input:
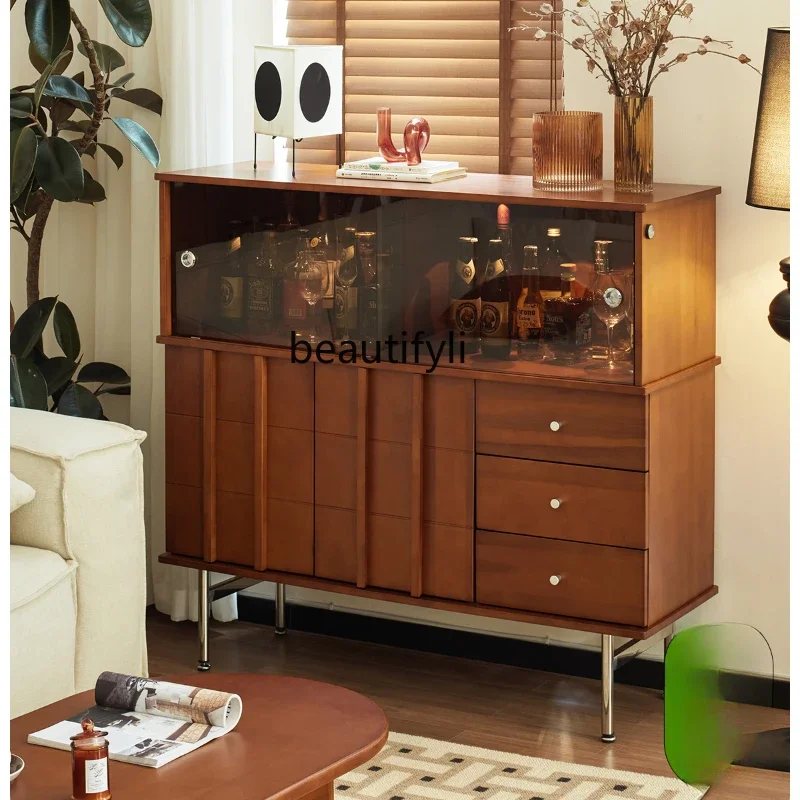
(457, 285)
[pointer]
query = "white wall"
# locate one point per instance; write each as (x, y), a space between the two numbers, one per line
(705, 115)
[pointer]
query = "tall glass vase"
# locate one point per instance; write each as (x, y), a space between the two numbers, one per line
(633, 144)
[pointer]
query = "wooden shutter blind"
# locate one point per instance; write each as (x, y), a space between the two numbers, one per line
(453, 62)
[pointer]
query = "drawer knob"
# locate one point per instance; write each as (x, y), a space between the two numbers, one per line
(555, 580)
(555, 503)
(555, 426)
(188, 259)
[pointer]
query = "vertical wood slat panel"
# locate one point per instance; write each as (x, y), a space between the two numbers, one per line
(417, 408)
(209, 455)
(504, 144)
(361, 478)
(165, 252)
(260, 461)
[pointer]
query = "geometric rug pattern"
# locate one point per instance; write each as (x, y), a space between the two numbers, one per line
(414, 768)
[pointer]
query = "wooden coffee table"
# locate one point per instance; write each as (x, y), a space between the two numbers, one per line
(294, 739)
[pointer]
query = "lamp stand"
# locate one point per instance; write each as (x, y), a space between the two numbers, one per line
(779, 307)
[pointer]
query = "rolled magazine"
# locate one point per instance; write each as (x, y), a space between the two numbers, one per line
(149, 722)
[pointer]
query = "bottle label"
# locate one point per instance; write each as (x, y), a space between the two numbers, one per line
(466, 271)
(259, 297)
(348, 253)
(583, 330)
(96, 775)
(529, 321)
(294, 305)
(555, 329)
(465, 316)
(230, 297)
(345, 306)
(494, 319)
(494, 269)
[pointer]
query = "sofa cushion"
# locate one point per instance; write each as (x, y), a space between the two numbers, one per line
(33, 572)
(21, 493)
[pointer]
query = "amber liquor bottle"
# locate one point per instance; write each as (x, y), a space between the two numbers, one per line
(550, 264)
(495, 301)
(568, 322)
(530, 306)
(465, 296)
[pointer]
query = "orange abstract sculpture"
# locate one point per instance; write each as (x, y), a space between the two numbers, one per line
(415, 138)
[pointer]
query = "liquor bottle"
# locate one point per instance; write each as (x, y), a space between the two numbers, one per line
(514, 278)
(530, 306)
(231, 283)
(465, 296)
(345, 301)
(326, 246)
(260, 282)
(369, 289)
(551, 262)
(568, 322)
(495, 316)
(610, 293)
(295, 308)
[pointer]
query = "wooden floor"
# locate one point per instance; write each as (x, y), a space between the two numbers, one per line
(461, 700)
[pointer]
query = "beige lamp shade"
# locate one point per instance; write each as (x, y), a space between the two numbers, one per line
(769, 168)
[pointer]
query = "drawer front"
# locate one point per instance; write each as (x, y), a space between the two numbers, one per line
(569, 426)
(591, 581)
(561, 501)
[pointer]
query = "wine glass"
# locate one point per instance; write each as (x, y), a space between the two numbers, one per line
(311, 278)
(611, 304)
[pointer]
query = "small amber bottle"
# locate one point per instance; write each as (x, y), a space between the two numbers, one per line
(90, 764)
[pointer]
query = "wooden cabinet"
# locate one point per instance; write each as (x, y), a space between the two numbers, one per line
(532, 490)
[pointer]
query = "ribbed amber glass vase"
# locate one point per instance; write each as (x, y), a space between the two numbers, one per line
(568, 150)
(633, 144)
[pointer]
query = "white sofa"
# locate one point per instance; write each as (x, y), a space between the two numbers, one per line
(78, 574)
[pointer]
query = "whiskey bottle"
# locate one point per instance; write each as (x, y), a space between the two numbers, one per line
(465, 296)
(568, 322)
(345, 301)
(369, 289)
(530, 306)
(504, 233)
(260, 283)
(231, 283)
(495, 316)
(551, 262)
(295, 308)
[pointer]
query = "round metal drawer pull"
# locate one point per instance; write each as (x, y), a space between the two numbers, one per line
(555, 580)
(188, 259)
(555, 426)
(555, 503)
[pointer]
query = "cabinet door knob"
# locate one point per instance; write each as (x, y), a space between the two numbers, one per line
(555, 580)
(555, 426)
(188, 259)
(555, 503)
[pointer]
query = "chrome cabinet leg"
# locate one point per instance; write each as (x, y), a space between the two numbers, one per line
(607, 657)
(280, 608)
(203, 664)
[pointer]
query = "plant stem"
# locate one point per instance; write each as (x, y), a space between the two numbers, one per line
(89, 135)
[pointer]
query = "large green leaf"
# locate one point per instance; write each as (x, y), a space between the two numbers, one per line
(139, 138)
(56, 372)
(66, 88)
(124, 391)
(93, 191)
(30, 325)
(23, 103)
(76, 126)
(123, 80)
(23, 156)
(131, 19)
(62, 62)
(27, 204)
(59, 169)
(103, 372)
(108, 58)
(60, 112)
(28, 386)
(47, 22)
(78, 401)
(145, 98)
(112, 153)
(66, 332)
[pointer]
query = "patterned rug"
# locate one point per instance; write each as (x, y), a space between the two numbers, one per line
(413, 768)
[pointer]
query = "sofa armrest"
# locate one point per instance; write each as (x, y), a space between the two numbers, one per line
(89, 508)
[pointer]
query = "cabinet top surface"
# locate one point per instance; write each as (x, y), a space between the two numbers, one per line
(474, 187)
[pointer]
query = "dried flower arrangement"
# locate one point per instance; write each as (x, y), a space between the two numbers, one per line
(629, 50)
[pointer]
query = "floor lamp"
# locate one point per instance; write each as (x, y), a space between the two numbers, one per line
(769, 167)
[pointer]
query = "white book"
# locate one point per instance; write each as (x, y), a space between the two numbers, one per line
(407, 177)
(379, 165)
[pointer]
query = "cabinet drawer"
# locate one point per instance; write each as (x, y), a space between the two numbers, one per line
(595, 505)
(592, 581)
(571, 426)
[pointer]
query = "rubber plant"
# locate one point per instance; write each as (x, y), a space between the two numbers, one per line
(55, 124)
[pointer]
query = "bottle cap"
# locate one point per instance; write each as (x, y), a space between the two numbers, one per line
(554, 231)
(531, 248)
(569, 267)
(89, 737)
(365, 234)
(470, 239)
(495, 241)
(503, 216)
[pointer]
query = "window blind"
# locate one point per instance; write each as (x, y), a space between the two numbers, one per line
(453, 62)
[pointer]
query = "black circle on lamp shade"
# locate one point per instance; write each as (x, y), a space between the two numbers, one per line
(315, 92)
(268, 91)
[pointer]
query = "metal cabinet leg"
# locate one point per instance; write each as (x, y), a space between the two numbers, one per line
(280, 608)
(607, 656)
(203, 664)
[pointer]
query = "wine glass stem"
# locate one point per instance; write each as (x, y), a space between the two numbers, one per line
(610, 331)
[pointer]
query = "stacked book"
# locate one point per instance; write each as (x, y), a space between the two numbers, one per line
(376, 169)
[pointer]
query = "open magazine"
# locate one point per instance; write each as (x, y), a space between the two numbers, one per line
(149, 722)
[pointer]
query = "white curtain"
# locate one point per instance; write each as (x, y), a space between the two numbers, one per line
(103, 261)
